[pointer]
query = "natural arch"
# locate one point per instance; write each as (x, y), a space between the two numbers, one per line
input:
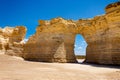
(80, 47)
(54, 40)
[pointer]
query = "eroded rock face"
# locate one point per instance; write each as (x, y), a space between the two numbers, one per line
(102, 35)
(54, 40)
(52, 43)
(112, 7)
(11, 40)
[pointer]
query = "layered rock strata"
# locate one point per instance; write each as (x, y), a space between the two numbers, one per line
(102, 35)
(54, 40)
(11, 40)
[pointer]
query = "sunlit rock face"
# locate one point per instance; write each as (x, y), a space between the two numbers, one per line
(52, 43)
(102, 34)
(54, 39)
(103, 42)
(10, 40)
(112, 7)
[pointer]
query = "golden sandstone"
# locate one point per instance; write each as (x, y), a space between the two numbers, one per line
(11, 40)
(54, 39)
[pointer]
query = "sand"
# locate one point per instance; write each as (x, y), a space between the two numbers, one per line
(15, 68)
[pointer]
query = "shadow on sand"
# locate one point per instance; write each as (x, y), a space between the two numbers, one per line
(100, 65)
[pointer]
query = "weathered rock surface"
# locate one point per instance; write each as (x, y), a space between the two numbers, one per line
(11, 40)
(112, 7)
(54, 40)
(102, 35)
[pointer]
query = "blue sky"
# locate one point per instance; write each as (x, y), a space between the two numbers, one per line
(28, 12)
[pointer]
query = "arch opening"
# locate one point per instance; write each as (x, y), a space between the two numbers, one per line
(80, 46)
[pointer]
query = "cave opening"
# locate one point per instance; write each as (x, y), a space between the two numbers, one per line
(80, 46)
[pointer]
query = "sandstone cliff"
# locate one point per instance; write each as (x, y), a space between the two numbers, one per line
(102, 34)
(10, 40)
(54, 39)
(52, 42)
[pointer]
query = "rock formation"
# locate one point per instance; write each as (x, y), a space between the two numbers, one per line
(103, 37)
(54, 40)
(11, 40)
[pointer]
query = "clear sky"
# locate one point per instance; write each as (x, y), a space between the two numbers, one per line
(28, 12)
